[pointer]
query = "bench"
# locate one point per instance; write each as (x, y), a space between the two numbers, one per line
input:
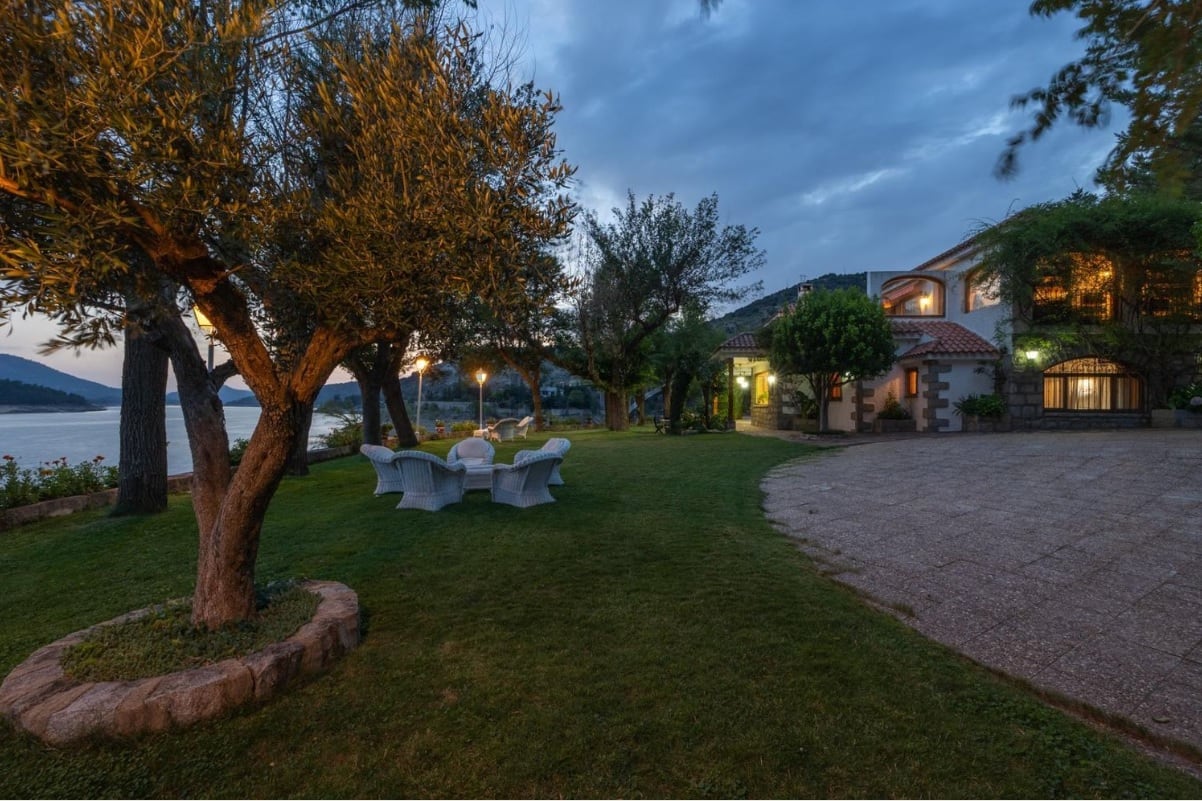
(661, 424)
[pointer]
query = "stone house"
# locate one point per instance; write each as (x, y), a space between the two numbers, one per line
(955, 337)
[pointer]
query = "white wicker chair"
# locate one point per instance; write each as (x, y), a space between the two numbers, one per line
(430, 483)
(504, 429)
(387, 472)
(525, 483)
(472, 451)
(522, 427)
(553, 445)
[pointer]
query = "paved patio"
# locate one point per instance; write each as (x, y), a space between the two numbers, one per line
(1072, 560)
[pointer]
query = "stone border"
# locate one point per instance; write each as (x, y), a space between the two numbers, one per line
(37, 697)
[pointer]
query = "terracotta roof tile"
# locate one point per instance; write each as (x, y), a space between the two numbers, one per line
(740, 342)
(941, 338)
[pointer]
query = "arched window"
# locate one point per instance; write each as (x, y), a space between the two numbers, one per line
(1091, 385)
(911, 296)
(981, 291)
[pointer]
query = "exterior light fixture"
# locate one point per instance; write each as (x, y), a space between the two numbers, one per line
(481, 377)
(771, 379)
(421, 364)
(742, 382)
(207, 328)
(1032, 355)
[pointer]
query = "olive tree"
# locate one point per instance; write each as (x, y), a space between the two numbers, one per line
(643, 268)
(175, 130)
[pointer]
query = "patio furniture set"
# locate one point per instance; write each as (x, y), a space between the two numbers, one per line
(505, 429)
(430, 483)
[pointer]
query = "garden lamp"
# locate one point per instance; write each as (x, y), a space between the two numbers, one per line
(421, 364)
(208, 329)
(481, 377)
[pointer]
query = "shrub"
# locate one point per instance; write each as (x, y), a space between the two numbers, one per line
(1188, 397)
(54, 479)
(347, 434)
(893, 410)
(238, 450)
(981, 406)
(466, 427)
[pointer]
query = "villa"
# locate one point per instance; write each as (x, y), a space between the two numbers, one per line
(955, 337)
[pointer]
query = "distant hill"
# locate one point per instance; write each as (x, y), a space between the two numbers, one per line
(17, 393)
(229, 396)
(750, 318)
(27, 371)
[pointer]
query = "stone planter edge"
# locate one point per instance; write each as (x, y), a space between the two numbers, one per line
(37, 697)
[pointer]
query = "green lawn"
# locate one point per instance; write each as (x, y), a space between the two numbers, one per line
(647, 635)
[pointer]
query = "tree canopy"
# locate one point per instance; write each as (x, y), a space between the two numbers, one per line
(643, 268)
(1144, 55)
(311, 183)
(832, 338)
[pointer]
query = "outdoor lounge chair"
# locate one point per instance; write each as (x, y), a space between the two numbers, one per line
(504, 429)
(525, 483)
(430, 483)
(553, 445)
(477, 455)
(387, 472)
(522, 427)
(471, 451)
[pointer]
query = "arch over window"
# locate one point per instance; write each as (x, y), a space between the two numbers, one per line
(912, 296)
(981, 291)
(1091, 385)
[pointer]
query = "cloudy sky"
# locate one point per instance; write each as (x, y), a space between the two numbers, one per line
(854, 134)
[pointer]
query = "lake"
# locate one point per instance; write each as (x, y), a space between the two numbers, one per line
(81, 436)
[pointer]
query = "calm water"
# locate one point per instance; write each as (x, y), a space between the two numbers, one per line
(81, 436)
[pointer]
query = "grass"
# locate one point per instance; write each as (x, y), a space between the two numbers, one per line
(647, 635)
(165, 641)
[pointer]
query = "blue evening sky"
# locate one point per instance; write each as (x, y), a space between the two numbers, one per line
(855, 135)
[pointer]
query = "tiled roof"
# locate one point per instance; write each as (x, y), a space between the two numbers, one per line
(941, 338)
(740, 343)
(955, 250)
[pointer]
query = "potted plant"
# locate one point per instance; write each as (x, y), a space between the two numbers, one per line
(982, 412)
(1187, 406)
(440, 427)
(893, 417)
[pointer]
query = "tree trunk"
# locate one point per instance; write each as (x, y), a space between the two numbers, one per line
(395, 401)
(640, 406)
(298, 457)
(225, 571)
(142, 466)
(369, 390)
(680, 389)
(536, 401)
(617, 417)
(204, 420)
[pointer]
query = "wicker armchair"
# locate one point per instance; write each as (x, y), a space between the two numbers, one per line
(525, 483)
(387, 473)
(430, 483)
(522, 427)
(557, 445)
(472, 451)
(504, 429)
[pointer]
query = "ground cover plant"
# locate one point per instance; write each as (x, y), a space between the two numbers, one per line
(647, 635)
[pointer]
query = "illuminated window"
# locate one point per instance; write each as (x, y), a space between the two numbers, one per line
(1171, 291)
(763, 393)
(836, 392)
(981, 291)
(1094, 385)
(912, 382)
(1082, 288)
(912, 297)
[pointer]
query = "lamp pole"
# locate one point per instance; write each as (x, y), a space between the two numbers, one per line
(481, 376)
(421, 364)
(208, 329)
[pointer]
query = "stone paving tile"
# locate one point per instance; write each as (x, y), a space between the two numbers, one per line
(1072, 560)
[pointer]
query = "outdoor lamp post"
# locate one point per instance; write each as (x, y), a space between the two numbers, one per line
(421, 364)
(481, 376)
(208, 329)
